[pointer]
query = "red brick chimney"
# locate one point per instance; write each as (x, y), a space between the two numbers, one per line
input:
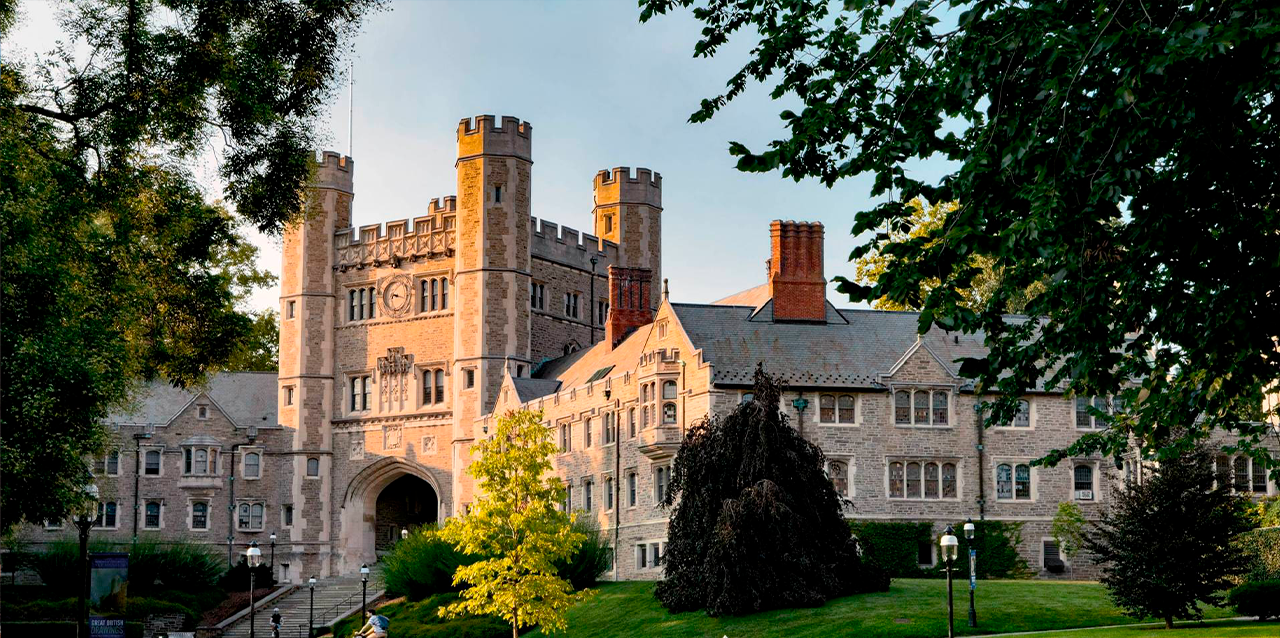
(796, 280)
(629, 291)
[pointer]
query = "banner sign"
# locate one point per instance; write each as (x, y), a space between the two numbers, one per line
(100, 627)
(108, 575)
(973, 569)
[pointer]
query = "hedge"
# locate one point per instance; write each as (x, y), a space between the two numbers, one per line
(893, 547)
(1260, 599)
(67, 609)
(1262, 546)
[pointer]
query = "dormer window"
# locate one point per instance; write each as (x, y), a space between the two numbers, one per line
(199, 461)
(922, 407)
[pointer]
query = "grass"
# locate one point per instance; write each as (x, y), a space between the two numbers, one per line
(911, 607)
(421, 620)
(1227, 629)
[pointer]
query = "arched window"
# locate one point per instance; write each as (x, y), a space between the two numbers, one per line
(152, 463)
(846, 404)
(895, 480)
(152, 515)
(668, 389)
(444, 293)
(631, 489)
(1259, 478)
(608, 493)
(1004, 481)
(913, 480)
(435, 295)
(747, 397)
(252, 465)
(1022, 482)
(940, 407)
(921, 415)
(199, 516)
(586, 433)
(931, 480)
(839, 473)
(566, 438)
(644, 421)
(1241, 468)
(827, 408)
(113, 463)
(668, 413)
(631, 418)
(313, 467)
(201, 461)
(1023, 418)
(948, 480)
(902, 407)
(1084, 477)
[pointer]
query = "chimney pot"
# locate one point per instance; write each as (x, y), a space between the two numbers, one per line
(797, 283)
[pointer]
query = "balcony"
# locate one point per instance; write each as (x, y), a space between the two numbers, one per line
(659, 443)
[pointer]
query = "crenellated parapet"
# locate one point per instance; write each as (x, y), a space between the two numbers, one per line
(486, 135)
(570, 247)
(429, 236)
(618, 186)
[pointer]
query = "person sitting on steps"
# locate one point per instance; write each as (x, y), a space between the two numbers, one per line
(376, 627)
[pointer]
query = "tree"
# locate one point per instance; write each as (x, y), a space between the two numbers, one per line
(116, 270)
(1068, 529)
(259, 350)
(757, 523)
(1124, 154)
(516, 529)
(1166, 544)
(926, 220)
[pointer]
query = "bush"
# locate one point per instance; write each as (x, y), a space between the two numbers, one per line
(35, 610)
(593, 557)
(1262, 552)
(140, 608)
(188, 567)
(422, 565)
(894, 547)
(1266, 512)
(237, 578)
(1261, 599)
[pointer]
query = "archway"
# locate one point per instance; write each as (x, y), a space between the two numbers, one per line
(405, 503)
(359, 541)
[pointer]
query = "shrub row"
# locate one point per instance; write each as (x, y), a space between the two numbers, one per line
(67, 609)
(1262, 547)
(422, 565)
(189, 567)
(1260, 599)
(895, 547)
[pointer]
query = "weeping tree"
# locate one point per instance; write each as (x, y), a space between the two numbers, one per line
(757, 524)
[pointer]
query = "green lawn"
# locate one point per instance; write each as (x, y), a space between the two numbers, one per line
(1228, 629)
(909, 608)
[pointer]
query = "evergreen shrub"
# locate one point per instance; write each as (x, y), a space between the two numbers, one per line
(894, 547)
(237, 578)
(1260, 599)
(422, 565)
(1262, 553)
(593, 558)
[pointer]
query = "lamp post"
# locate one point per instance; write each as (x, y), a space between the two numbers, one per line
(273, 554)
(86, 514)
(253, 556)
(969, 529)
(311, 611)
(364, 588)
(950, 547)
(404, 533)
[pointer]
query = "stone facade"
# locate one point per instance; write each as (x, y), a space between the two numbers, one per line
(401, 342)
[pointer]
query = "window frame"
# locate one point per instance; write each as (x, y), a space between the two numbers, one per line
(146, 454)
(362, 397)
(939, 480)
(113, 453)
(146, 515)
(100, 522)
(914, 406)
(671, 417)
(836, 411)
(633, 489)
(847, 462)
(262, 517)
(191, 515)
(316, 461)
(661, 483)
(1013, 464)
(244, 463)
(1094, 479)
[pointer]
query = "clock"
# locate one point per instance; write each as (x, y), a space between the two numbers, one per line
(397, 296)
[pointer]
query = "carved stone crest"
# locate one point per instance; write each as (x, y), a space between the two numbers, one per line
(429, 444)
(395, 374)
(357, 447)
(392, 437)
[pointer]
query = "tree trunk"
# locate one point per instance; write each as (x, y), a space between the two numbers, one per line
(514, 632)
(1168, 622)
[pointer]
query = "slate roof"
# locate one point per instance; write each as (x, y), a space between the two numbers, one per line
(574, 369)
(247, 398)
(530, 389)
(754, 297)
(852, 349)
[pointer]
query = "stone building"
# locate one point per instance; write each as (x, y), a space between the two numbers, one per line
(401, 342)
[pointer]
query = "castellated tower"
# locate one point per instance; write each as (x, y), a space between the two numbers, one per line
(628, 212)
(306, 342)
(491, 272)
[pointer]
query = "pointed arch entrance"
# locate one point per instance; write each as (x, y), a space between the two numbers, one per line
(383, 498)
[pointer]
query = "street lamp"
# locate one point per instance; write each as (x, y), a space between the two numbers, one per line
(311, 612)
(273, 554)
(950, 547)
(969, 529)
(86, 514)
(253, 556)
(364, 588)
(404, 533)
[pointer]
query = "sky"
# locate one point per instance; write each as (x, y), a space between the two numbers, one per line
(600, 89)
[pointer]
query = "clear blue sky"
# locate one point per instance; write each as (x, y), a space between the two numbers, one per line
(601, 90)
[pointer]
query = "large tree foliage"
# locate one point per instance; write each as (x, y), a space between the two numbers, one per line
(1167, 543)
(757, 524)
(116, 268)
(517, 531)
(1123, 153)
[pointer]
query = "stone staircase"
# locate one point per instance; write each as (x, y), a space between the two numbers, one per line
(335, 598)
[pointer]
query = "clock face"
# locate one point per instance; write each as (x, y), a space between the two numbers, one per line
(397, 296)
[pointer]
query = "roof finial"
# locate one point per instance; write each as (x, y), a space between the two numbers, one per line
(666, 291)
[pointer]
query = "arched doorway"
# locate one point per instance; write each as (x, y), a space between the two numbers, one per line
(358, 535)
(405, 503)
